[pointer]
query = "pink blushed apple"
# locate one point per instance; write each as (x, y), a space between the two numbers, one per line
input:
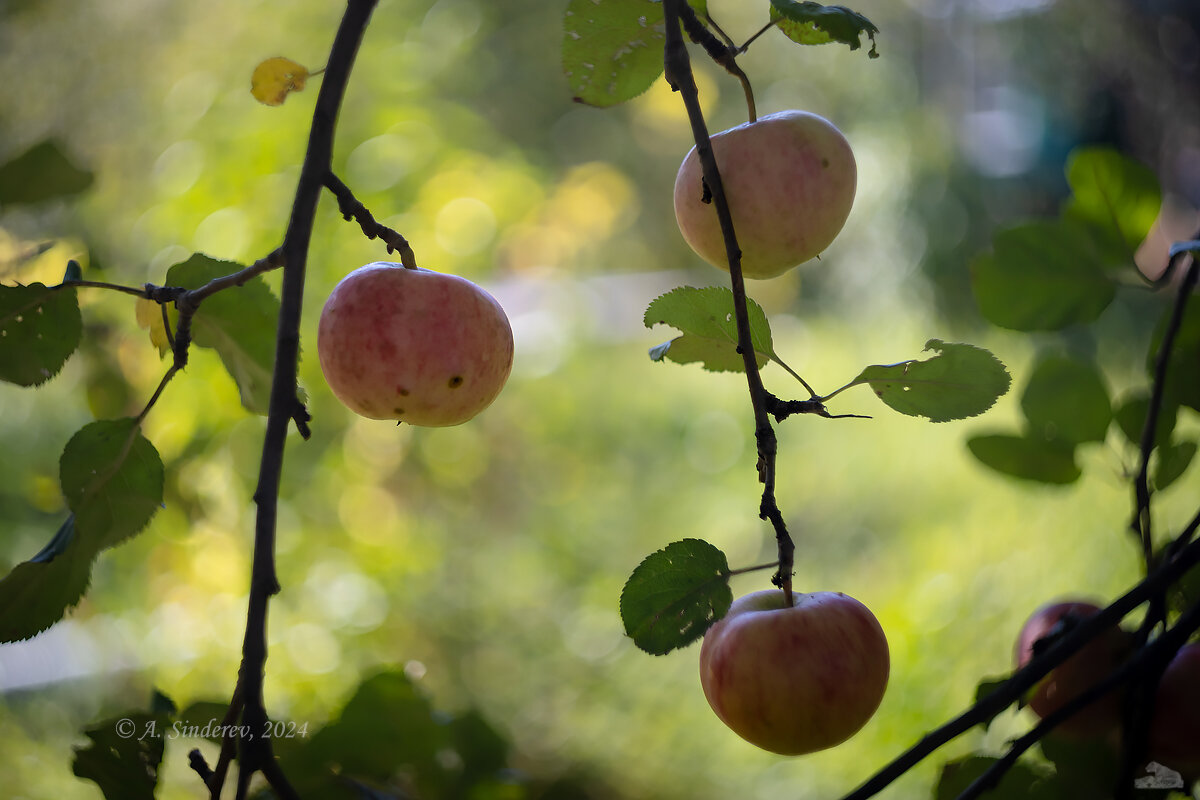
(795, 679)
(790, 180)
(413, 345)
(1087, 667)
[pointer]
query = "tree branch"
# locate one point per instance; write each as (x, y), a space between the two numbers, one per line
(678, 68)
(255, 751)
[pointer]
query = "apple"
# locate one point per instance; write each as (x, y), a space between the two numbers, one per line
(1087, 667)
(413, 345)
(1175, 726)
(789, 178)
(795, 679)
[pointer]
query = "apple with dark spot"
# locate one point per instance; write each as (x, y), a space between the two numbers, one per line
(795, 679)
(413, 345)
(790, 180)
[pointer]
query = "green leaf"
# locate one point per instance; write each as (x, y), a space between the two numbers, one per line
(813, 23)
(1130, 417)
(705, 316)
(1019, 783)
(1173, 461)
(40, 327)
(961, 381)
(1042, 276)
(1183, 367)
(1066, 399)
(612, 49)
(1026, 457)
(675, 595)
(38, 592)
(238, 323)
(124, 766)
(112, 478)
(1119, 197)
(986, 687)
(41, 173)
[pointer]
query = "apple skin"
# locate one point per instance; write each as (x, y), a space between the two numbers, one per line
(798, 679)
(413, 345)
(1087, 667)
(790, 179)
(1175, 727)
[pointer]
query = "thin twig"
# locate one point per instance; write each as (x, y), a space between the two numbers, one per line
(678, 68)
(351, 208)
(255, 750)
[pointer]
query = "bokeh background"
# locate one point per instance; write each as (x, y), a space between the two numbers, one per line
(486, 560)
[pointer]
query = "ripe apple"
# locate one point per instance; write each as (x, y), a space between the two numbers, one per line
(414, 345)
(789, 178)
(1087, 667)
(1175, 727)
(795, 679)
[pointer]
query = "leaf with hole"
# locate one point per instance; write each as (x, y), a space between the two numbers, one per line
(675, 595)
(705, 316)
(112, 478)
(961, 381)
(813, 23)
(40, 327)
(612, 49)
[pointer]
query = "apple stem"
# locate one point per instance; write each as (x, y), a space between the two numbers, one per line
(678, 69)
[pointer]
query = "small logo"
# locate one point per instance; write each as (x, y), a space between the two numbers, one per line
(1159, 777)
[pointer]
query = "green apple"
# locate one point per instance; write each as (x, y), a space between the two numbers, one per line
(790, 180)
(413, 345)
(795, 679)
(1087, 667)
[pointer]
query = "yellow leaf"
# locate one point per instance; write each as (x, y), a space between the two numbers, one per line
(274, 78)
(150, 316)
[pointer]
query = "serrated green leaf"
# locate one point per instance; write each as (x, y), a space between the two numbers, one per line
(40, 327)
(1130, 416)
(1066, 399)
(813, 23)
(1119, 197)
(675, 595)
(1173, 461)
(38, 592)
(961, 381)
(112, 478)
(238, 323)
(705, 316)
(124, 766)
(612, 49)
(41, 173)
(1027, 458)
(1042, 276)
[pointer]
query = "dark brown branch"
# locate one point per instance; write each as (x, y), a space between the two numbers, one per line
(351, 208)
(255, 751)
(678, 70)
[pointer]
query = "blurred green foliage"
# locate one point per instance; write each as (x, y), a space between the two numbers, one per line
(486, 561)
